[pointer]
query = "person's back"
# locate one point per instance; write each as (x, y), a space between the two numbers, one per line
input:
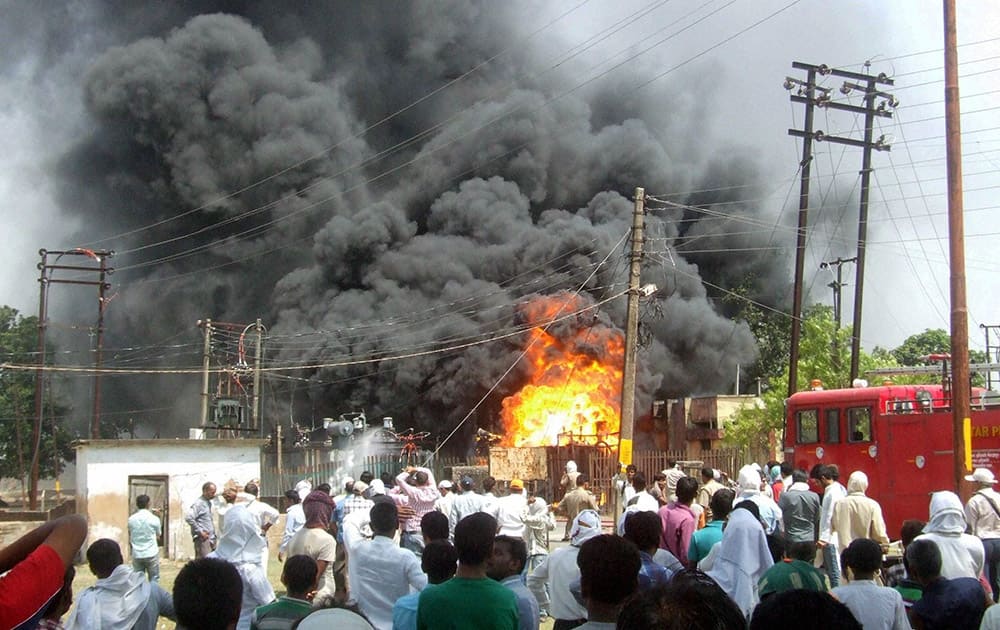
(800, 510)
(858, 515)
(121, 597)
(470, 599)
(299, 578)
(560, 570)
(873, 605)
(380, 572)
(953, 604)
(510, 510)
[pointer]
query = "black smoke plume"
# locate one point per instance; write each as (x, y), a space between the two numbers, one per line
(241, 135)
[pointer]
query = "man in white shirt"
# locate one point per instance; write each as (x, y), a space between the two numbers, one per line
(833, 491)
(144, 531)
(265, 516)
(443, 504)
(511, 510)
(295, 518)
(982, 513)
(465, 503)
(379, 571)
(560, 570)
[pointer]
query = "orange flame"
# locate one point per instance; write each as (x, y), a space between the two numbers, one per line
(573, 393)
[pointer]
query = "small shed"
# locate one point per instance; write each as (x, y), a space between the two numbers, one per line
(112, 473)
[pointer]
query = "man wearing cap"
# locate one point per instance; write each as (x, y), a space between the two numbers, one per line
(982, 513)
(465, 503)
(443, 504)
(511, 510)
(794, 572)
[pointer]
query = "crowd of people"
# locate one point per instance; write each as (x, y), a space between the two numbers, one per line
(777, 547)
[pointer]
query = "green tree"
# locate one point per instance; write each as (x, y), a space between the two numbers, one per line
(18, 345)
(751, 427)
(931, 341)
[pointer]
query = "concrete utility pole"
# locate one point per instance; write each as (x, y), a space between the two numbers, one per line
(46, 280)
(631, 332)
(961, 407)
(837, 285)
(868, 85)
(206, 364)
(257, 356)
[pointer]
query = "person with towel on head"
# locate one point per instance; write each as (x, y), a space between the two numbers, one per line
(742, 560)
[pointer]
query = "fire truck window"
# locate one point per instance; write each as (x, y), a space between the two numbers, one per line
(833, 426)
(859, 422)
(808, 426)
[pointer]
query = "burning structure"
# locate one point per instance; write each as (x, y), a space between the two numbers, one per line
(573, 391)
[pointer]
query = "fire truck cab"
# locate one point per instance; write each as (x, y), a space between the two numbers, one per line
(899, 435)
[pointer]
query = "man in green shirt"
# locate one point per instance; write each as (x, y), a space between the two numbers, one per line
(470, 599)
(299, 578)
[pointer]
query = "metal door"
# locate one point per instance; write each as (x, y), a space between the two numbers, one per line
(156, 488)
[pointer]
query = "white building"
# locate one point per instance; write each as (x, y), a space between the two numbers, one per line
(112, 473)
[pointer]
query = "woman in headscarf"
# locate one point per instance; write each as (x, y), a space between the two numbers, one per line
(314, 540)
(962, 554)
(242, 545)
(742, 560)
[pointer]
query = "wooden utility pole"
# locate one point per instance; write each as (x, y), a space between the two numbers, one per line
(961, 413)
(206, 364)
(631, 333)
(807, 90)
(868, 86)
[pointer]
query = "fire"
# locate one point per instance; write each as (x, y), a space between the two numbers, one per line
(574, 389)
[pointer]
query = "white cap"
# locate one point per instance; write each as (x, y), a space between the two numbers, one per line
(981, 475)
(445, 484)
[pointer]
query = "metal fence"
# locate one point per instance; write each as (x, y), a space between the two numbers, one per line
(335, 465)
(602, 468)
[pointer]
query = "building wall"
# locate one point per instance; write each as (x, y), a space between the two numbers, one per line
(104, 468)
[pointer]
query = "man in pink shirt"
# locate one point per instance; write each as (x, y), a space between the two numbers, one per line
(679, 520)
(418, 485)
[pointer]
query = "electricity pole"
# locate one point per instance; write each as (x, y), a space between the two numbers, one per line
(837, 285)
(806, 92)
(631, 333)
(961, 407)
(258, 354)
(206, 364)
(45, 280)
(868, 85)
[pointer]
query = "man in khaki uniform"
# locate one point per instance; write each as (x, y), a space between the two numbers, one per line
(577, 500)
(709, 486)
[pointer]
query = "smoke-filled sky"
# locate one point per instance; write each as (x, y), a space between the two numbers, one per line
(382, 179)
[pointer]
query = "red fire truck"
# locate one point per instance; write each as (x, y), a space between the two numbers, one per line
(899, 435)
